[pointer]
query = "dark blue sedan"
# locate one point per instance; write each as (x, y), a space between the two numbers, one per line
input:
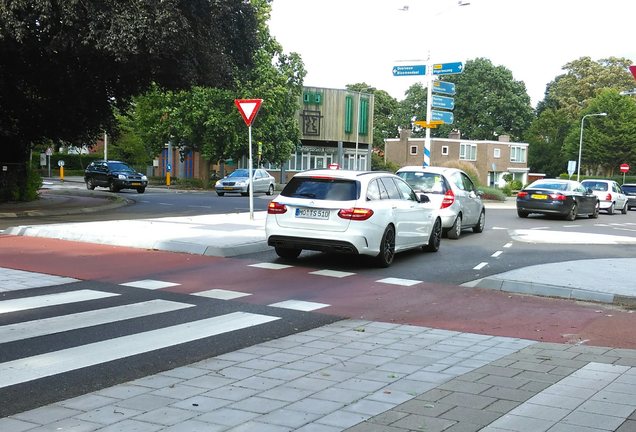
(564, 198)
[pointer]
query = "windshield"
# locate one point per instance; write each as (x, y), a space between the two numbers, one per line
(239, 173)
(120, 167)
(425, 181)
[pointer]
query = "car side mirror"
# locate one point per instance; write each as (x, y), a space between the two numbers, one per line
(590, 191)
(423, 198)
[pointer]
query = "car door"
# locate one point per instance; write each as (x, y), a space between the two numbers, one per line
(585, 198)
(412, 220)
(467, 196)
(621, 198)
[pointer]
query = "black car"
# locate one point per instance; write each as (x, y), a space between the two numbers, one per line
(630, 191)
(114, 175)
(565, 198)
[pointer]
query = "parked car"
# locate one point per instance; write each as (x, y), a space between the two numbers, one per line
(369, 213)
(238, 182)
(565, 198)
(452, 189)
(609, 194)
(629, 189)
(114, 175)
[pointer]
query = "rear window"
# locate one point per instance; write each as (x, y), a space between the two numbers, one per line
(425, 181)
(322, 189)
(595, 186)
(629, 188)
(546, 185)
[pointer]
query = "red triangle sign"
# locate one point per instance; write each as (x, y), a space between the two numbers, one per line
(632, 69)
(248, 109)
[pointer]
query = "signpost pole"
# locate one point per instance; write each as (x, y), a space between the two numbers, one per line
(248, 108)
(249, 172)
(429, 118)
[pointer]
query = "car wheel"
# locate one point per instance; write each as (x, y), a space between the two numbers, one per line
(610, 209)
(387, 247)
(455, 231)
(522, 213)
(481, 223)
(287, 253)
(597, 209)
(270, 191)
(220, 193)
(141, 190)
(572, 213)
(624, 209)
(435, 238)
(246, 193)
(90, 185)
(112, 187)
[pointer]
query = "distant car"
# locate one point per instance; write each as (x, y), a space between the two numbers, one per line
(351, 212)
(452, 189)
(609, 194)
(238, 182)
(565, 198)
(114, 175)
(629, 189)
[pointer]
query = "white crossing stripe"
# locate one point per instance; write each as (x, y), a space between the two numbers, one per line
(332, 273)
(480, 266)
(15, 280)
(150, 284)
(271, 266)
(52, 300)
(398, 281)
(300, 305)
(221, 294)
(58, 324)
(43, 365)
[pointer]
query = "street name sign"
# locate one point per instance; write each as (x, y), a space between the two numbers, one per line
(443, 102)
(432, 124)
(409, 70)
(444, 87)
(445, 116)
(448, 68)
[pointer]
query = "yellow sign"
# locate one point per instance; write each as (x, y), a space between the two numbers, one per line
(432, 124)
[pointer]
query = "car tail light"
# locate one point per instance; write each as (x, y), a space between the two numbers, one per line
(276, 208)
(608, 197)
(558, 197)
(522, 194)
(358, 214)
(449, 199)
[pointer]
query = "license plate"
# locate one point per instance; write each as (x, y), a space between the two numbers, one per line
(136, 184)
(539, 196)
(312, 213)
(228, 187)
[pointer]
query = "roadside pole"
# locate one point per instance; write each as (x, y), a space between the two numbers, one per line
(248, 108)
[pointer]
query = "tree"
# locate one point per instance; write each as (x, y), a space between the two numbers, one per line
(413, 108)
(545, 138)
(66, 64)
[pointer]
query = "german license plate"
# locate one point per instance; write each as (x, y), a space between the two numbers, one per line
(539, 196)
(312, 213)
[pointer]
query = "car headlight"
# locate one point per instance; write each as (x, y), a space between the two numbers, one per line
(218, 183)
(241, 183)
(144, 178)
(121, 176)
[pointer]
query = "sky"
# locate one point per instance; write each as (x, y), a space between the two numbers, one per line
(351, 41)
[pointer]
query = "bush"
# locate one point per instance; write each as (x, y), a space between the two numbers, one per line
(468, 168)
(493, 194)
(13, 189)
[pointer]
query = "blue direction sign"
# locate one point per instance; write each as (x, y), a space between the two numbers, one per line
(448, 68)
(443, 102)
(444, 87)
(409, 70)
(445, 116)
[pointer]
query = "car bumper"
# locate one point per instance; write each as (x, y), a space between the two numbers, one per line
(230, 189)
(130, 184)
(559, 208)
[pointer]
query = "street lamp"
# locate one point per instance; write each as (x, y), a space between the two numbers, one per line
(578, 165)
(358, 124)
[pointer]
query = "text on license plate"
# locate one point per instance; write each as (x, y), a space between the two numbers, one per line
(312, 213)
(136, 184)
(539, 196)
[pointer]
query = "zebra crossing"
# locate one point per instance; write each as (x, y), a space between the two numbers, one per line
(77, 329)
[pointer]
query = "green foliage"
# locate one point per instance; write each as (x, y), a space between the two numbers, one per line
(16, 187)
(546, 136)
(468, 168)
(379, 164)
(412, 108)
(493, 194)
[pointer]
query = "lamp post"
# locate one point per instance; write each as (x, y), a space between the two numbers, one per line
(358, 125)
(578, 165)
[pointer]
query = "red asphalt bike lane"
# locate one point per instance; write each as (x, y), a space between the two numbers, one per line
(431, 305)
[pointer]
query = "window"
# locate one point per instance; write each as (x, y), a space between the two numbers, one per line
(468, 151)
(413, 150)
(497, 153)
(517, 154)
(444, 150)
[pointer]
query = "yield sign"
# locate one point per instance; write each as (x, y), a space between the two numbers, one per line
(248, 109)
(632, 69)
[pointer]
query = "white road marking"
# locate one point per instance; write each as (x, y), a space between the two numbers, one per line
(300, 305)
(221, 294)
(563, 237)
(480, 266)
(59, 324)
(496, 254)
(398, 281)
(332, 273)
(507, 245)
(52, 300)
(271, 266)
(43, 365)
(150, 284)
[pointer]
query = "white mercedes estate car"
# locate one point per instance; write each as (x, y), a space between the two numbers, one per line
(351, 212)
